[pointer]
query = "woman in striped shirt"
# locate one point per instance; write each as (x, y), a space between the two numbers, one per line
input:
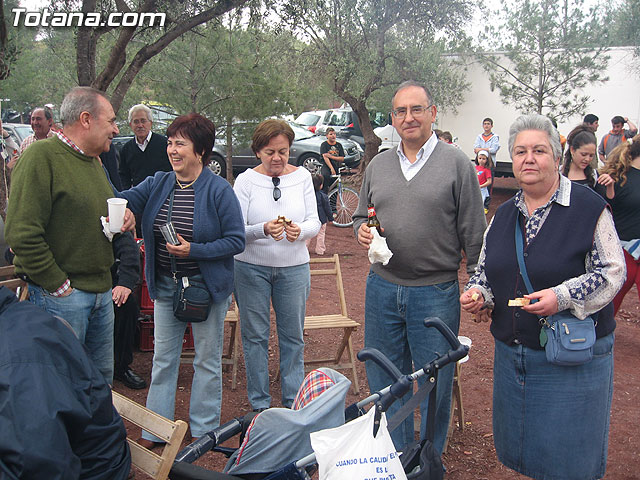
(207, 218)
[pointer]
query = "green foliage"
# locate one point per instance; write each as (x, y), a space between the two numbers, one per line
(360, 47)
(624, 23)
(551, 50)
(224, 70)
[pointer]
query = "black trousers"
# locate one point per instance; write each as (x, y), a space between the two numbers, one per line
(327, 180)
(124, 331)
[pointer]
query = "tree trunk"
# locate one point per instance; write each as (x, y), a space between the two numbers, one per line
(87, 43)
(229, 139)
(371, 140)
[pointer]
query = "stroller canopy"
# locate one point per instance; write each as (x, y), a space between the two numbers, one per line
(279, 436)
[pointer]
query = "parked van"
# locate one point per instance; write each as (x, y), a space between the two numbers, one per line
(389, 136)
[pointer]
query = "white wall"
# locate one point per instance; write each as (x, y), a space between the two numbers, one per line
(619, 96)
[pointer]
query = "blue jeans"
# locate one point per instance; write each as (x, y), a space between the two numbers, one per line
(208, 337)
(393, 324)
(91, 317)
(287, 288)
(552, 422)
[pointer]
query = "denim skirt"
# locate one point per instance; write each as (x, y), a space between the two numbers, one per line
(552, 422)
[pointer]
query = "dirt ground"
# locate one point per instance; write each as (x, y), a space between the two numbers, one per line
(471, 453)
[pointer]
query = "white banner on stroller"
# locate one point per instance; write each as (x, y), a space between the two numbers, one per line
(351, 451)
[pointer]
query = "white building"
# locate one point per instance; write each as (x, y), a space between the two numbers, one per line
(620, 95)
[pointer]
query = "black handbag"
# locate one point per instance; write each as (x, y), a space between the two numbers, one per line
(191, 299)
(566, 339)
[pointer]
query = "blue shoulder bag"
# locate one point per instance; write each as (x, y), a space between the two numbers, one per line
(567, 340)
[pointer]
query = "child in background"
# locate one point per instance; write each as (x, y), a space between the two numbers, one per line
(324, 213)
(483, 169)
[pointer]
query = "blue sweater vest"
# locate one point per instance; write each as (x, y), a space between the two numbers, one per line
(556, 254)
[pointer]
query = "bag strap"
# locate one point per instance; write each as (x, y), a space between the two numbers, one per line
(174, 267)
(519, 253)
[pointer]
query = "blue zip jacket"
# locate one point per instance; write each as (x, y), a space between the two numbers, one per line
(218, 228)
(57, 420)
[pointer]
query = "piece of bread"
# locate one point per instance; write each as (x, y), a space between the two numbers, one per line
(283, 219)
(475, 296)
(519, 302)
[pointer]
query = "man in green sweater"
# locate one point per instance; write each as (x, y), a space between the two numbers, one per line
(427, 199)
(59, 191)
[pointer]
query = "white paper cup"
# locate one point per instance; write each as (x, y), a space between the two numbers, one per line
(117, 206)
(464, 341)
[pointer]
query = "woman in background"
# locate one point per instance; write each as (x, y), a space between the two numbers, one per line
(623, 194)
(578, 158)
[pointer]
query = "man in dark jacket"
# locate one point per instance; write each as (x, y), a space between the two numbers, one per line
(146, 153)
(126, 274)
(56, 414)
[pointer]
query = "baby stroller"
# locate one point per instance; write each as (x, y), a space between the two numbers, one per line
(275, 443)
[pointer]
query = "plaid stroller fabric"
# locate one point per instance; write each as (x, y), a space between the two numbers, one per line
(279, 436)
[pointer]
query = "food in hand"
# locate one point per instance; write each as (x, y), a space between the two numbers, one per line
(284, 220)
(519, 302)
(475, 296)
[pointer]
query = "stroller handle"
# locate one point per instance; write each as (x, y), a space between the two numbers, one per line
(381, 360)
(457, 352)
(444, 330)
(192, 452)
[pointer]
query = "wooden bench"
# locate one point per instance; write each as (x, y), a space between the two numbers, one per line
(230, 357)
(335, 321)
(154, 465)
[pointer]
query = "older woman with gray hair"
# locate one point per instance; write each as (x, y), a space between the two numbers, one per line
(549, 421)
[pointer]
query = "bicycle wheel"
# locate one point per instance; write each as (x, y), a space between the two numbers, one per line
(343, 205)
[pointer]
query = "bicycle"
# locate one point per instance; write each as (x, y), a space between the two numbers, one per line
(343, 200)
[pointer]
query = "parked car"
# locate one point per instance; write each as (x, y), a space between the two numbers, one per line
(305, 150)
(311, 120)
(345, 122)
(18, 131)
(119, 141)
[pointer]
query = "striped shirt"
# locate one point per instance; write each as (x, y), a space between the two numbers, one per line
(182, 219)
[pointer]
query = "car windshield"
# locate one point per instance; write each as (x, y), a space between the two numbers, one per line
(339, 119)
(23, 131)
(307, 118)
(300, 132)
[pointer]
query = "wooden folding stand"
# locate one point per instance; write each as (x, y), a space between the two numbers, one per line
(154, 465)
(341, 320)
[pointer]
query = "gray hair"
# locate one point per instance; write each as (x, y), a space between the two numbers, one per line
(48, 114)
(538, 122)
(413, 83)
(138, 108)
(78, 100)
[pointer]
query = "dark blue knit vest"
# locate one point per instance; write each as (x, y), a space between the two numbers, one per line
(556, 254)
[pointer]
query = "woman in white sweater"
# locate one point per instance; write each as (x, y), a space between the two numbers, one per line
(279, 208)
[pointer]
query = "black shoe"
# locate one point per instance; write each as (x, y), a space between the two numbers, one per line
(131, 379)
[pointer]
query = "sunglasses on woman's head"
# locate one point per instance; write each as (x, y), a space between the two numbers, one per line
(276, 191)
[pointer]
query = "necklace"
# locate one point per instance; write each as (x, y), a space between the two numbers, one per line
(182, 187)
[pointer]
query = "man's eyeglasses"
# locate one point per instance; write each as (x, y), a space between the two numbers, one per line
(417, 111)
(276, 191)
